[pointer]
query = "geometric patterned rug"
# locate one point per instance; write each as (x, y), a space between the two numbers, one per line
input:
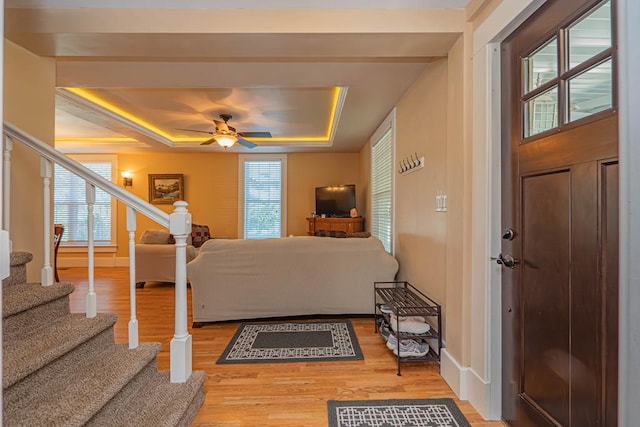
(292, 342)
(396, 413)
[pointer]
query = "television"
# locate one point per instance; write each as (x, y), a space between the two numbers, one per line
(335, 201)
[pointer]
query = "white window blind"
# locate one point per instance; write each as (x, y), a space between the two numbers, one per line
(382, 188)
(70, 207)
(262, 198)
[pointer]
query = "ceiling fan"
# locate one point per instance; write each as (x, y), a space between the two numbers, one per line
(226, 135)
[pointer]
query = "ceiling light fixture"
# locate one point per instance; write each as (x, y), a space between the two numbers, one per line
(225, 141)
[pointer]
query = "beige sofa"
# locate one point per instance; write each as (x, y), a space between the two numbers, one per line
(156, 257)
(294, 276)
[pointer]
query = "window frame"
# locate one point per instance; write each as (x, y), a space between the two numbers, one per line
(387, 125)
(110, 247)
(242, 159)
(566, 73)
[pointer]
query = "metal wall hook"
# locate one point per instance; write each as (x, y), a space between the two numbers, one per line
(410, 164)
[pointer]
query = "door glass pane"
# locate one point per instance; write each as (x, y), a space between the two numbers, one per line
(590, 35)
(541, 66)
(541, 112)
(591, 91)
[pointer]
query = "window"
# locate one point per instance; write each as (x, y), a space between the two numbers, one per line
(557, 93)
(262, 196)
(382, 182)
(70, 207)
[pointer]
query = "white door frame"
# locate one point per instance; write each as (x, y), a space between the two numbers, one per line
(486, 315)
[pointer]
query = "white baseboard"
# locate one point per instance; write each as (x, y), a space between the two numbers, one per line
(454, 374)
(466, 384)
(479, 394)
(98, 262)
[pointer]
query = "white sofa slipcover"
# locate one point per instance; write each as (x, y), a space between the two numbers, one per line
(294, 276)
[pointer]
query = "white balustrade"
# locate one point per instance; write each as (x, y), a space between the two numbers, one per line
(180, 351)
(91, 301)
(133, 321)
(6, 182)
(46, 172)
(179, 224)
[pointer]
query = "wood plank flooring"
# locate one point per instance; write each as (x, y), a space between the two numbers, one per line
(276, 394)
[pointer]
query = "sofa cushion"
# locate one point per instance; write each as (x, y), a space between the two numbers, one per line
(199, 234)
(155, 237)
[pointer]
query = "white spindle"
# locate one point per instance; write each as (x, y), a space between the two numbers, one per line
(133, 321)
(46, 172)
(6, 183)
(181, 352)
(92, 309)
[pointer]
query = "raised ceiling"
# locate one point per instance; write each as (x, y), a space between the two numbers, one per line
(319, 75)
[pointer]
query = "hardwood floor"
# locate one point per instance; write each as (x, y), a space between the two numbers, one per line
(277, 394)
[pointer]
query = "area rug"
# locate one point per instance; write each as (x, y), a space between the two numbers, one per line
(396, 413)
(292, 342)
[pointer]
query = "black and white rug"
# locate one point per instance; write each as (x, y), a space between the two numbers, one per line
(396, 413)
(292, 342)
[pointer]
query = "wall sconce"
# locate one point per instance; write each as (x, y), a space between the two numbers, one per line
(127, 179)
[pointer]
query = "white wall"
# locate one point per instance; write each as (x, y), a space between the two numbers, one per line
(629, 101)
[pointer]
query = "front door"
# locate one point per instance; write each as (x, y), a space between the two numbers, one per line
(560, 207)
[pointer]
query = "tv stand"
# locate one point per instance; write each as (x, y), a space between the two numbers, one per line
(348, 225)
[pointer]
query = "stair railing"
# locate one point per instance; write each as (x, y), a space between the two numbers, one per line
(178, 223)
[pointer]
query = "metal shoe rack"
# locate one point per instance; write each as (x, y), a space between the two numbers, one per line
(403, 299)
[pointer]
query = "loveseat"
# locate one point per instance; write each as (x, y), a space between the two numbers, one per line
(156, 254)
(291, 276)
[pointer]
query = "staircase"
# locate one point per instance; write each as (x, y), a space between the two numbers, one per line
(64, 369)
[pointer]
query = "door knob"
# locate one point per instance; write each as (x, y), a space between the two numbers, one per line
(508, 234)
(506, 260)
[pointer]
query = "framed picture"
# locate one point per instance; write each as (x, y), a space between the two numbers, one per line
(166, 188)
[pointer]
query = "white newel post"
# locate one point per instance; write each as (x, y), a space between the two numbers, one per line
(181, 353)
(133, 321)
(92, 306)
(46, 172)
(6, 184)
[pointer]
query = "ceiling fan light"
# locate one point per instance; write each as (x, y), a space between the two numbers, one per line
(225, 141)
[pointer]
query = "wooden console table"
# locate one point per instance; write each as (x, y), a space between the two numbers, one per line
(348, 225)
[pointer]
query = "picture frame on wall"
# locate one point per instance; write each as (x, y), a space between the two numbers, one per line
(166, 188)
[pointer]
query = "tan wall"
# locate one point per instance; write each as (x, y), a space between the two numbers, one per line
(421, 232)
(29, 103)
(211, 188)
(306, 171)
(457, 169)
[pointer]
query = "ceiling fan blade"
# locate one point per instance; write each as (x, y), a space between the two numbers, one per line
(255, 134)
(208, 141)
(222, 126)
(246, 143)
(194, 130)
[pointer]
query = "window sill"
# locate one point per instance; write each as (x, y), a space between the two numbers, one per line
(84, 248)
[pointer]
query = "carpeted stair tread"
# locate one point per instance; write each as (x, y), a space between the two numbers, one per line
(75, 397)
(18, 269)
(42, 345)
(153, 402)
(19, 298)
(18, 258)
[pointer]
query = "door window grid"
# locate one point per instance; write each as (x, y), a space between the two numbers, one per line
(590, 95)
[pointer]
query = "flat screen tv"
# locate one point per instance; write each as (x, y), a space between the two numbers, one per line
(335, 201)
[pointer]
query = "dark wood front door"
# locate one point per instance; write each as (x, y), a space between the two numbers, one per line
(560, 199)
